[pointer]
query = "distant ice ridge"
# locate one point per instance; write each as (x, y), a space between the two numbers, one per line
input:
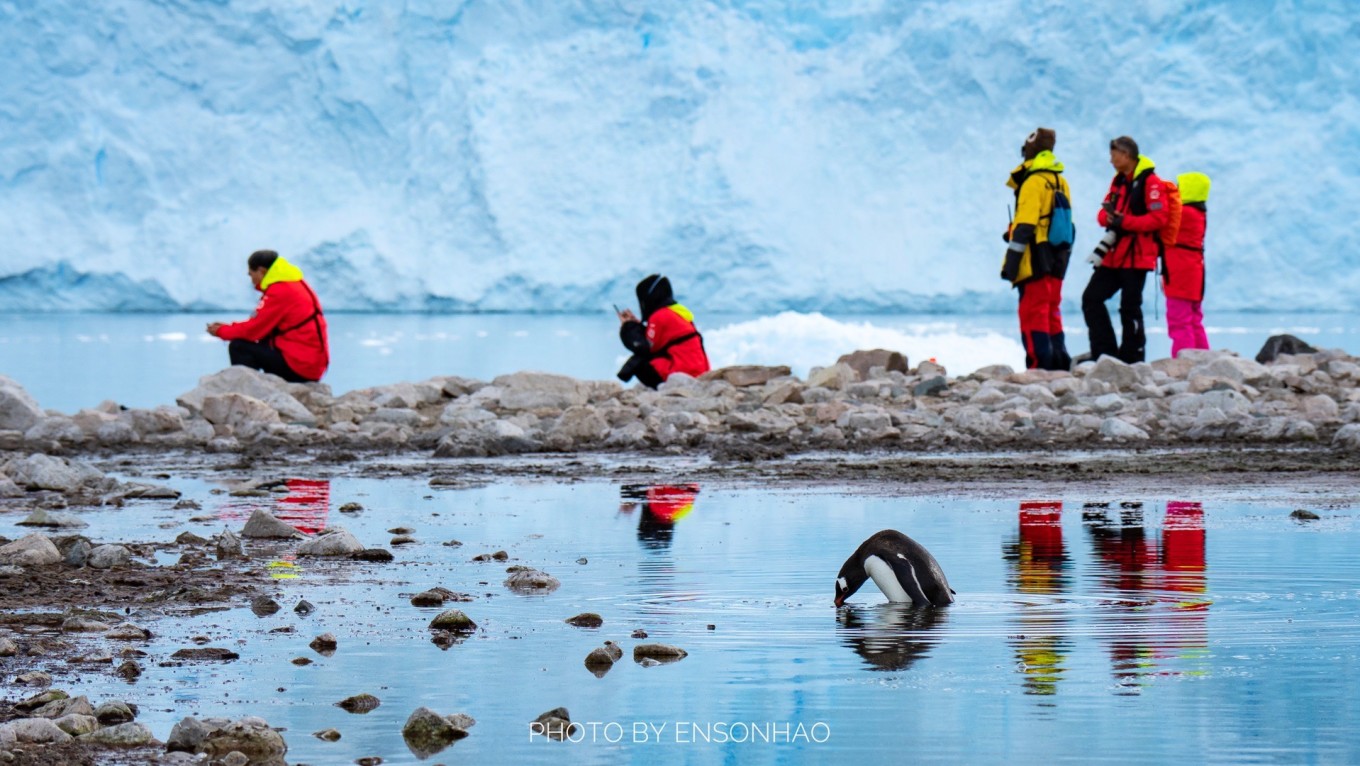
(544, 155)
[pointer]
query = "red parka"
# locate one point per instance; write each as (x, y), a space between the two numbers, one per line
(1141, 199)
(666, 325)
(289, 318)
(1183, 273)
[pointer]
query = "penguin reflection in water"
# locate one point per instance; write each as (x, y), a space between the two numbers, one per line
(901, 567)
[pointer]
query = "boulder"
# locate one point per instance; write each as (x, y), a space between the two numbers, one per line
(427, 732)
(263, 524)
(540, 390)
(188, 735)
(45, 518)
(454, 621)
(33, 550)
(836, 377)
(745, 375)
(335, 541)
(1274, 346)
(39, 471)
(237, 410)
(270, 389)
(864, 361)
(531, 582)
(251, 737)
(108, 557)
(122, 735)
(36, 731)
(18, 410)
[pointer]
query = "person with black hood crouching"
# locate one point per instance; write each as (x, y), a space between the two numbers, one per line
(664, 341)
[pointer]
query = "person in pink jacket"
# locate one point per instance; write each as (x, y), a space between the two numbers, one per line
(1183, 268)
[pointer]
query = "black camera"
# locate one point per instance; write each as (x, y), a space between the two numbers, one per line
(630, 367)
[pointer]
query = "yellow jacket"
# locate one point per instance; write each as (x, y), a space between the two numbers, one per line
(1034, 182)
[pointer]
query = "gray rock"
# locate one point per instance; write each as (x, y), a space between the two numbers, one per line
(329, 735)
(586, 620)
(62, 707)
(865, 360)
(1276, 345)
(35, 731)
(599, 662)
(76, 724)
(114, 712)
(427, 732)
(538, 390)
(188, 735)
(228, 546)
(555, 724)
(263, 606)
(251, 737)
(934, 386)
(836, 377)
(39, 471)
(77, 553)
(658, 652)
(453, 621)
(205, 654)
(1114, 428)
(742, 376)
(8, 488)
(18, 410)
(324, 644)
(1347, 436)
(122, 735)
(126, 631)
(532, 582)
(262, 524)
(269, 389)
(30, 551)
(7, 647)
(335, 541)
(359, 703)
(46, 518)
(108, 557)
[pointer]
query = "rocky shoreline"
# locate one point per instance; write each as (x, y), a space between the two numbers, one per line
(868, 400)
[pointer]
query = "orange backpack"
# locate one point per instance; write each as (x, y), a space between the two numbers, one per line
(1172, 227)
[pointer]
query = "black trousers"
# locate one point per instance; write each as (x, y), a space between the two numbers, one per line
(263, 357)
(1103, 285)
(639, 366)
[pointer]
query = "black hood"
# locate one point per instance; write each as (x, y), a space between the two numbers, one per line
(654, 293)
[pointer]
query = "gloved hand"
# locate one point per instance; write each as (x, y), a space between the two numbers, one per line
(1095, 260)
(1116, 220)
(1006, 235)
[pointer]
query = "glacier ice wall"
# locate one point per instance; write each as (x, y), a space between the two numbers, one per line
(841, 155)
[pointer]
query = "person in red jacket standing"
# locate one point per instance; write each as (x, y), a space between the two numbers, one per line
(287, 334)
(1133, 214)
(664, 341)
(1183, 268)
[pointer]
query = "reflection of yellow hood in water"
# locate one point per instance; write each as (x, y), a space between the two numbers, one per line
(283, 570)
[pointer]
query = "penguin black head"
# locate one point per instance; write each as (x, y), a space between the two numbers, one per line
(851, 577)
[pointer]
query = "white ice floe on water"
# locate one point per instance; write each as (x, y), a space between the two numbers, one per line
(804, 341)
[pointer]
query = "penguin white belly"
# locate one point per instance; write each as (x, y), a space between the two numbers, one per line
(886, 580)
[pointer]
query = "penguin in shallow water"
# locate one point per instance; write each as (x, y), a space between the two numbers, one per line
(901, 567)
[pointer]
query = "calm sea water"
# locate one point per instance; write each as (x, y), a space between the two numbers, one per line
(70, 361)
(1162, 629)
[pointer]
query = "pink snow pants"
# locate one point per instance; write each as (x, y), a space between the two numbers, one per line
(1185, 325)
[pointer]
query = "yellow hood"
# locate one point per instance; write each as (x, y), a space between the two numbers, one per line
(1194, 187)
(280, 271)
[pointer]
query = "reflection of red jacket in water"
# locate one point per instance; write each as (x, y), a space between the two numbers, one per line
(668, 504)
(1183, 546)
(306, 505)
(1041, 555)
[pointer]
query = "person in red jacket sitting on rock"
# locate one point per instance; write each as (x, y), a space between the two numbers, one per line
(664, 341)
(287, 334)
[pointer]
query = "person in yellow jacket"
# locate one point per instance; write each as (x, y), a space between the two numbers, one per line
(1033, 265)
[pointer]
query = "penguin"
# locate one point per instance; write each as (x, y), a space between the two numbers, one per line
(901, 567)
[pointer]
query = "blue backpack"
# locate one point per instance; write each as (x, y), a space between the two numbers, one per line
(1062, 232)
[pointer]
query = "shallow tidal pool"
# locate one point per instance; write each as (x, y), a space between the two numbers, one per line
(1211, 629)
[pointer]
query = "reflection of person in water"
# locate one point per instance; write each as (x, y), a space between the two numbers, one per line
(662, 506)
(1039, 566)
(306, 505)
(890, 636)
(1136, 565)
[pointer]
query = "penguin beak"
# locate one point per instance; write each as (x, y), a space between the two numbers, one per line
(840, 600)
